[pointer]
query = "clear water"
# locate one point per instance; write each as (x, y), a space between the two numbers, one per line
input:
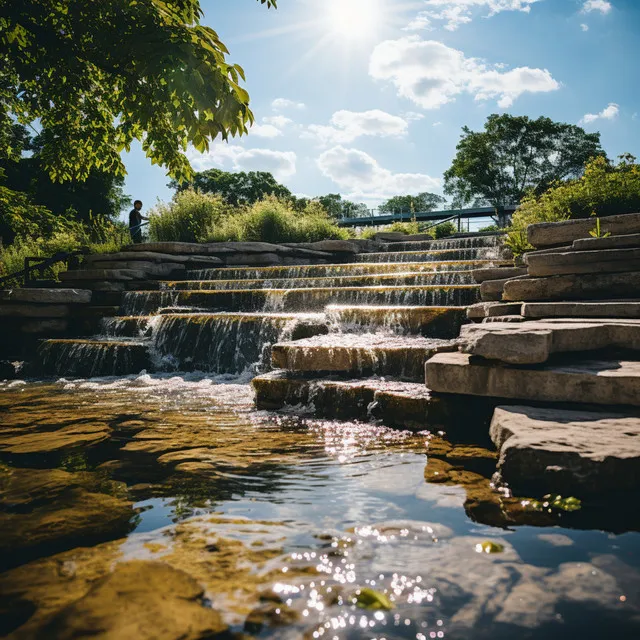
(312, 510)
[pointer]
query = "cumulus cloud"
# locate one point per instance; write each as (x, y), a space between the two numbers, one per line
(454, 13)
(584, 27)
(278, 121)
(431, 74)
(271, 127)
(282, 164)
(359, 174)
(346, 126)
(597, 5)
(610, 112)
(280, 104)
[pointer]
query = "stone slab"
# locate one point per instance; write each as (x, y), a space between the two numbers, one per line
(612, 382)
(617, 266)
(46, 296)
(491, 290)
(492, 309)
(549, 234)
(581, 309)
(574, 287)
(250, 259)
(182, 248)
(498, 273)
(613, 242)
(332, 246)
(124, 256)
(584, 261)
(572, 453)
(103, 274)
(45, 326)
(100, 285)
(150, 268)
(27, 310)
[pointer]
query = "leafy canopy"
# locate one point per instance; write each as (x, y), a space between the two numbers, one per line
(412, 204)
(337, 207)
(99, 75)
(515, 155)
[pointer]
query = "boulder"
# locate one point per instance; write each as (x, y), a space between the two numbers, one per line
(25, 310)
(581, 309)
(498, 273)
(47, 296)
(549, 234)
(574, 287)
(572, 453)
(612, 242)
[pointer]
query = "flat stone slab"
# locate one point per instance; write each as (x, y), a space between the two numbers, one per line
(45, 326)
(492, 290)
(332, 246)
(574, 287)
(103, 274)
(609, 382)
(572, 453)
(492, 309)
(398, 356)
(498, 273)
(26, 310)
(533, 342)
(148, 256)
(599, 261)
(249, 259)
(46, 296)
(149, 268)
(181, 248)
(549, 234)
(612, 242)
(581, 309)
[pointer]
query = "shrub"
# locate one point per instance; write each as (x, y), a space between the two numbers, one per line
(604, 189)
(409, 228)
(445, 230)
(187, 218)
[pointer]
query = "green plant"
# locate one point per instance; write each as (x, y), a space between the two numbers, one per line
(596, 232)
(410, 228)
(445, 230)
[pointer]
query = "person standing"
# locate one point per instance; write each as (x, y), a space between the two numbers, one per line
(135, 222)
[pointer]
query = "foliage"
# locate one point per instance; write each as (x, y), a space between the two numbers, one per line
(99, 75)
(186, 218)
(411, 204)
(597, 232)
(515, 155)
(273, 220)
(367, 598)
(337, 207)
(410, 228)
(491, 228)
(488, 546)
(604, 189)
(236, 188)
(554, 501)
(444, 230)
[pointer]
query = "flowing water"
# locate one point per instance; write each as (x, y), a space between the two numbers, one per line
(295, 527)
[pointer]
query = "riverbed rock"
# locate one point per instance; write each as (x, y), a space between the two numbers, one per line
(46, 296)
(612, 242)
(572, 453)
(599, 261)
(574, 287)
(549, 234)
(581, 380)
(139, 600)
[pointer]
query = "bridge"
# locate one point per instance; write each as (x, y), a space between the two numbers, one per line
(427, 216)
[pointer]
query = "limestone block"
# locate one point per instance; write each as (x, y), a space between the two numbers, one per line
(45, 326)
(150, 268)
(26, 310)
(46, 296)
(125, 256)
(181, 248)
(613, 382)
(99, 285)
(492, 309)
(572, 453)
(581, 309)
(498, 273)
(575, 287)
(512, 346)
(249, 259)
(600, 261)
(102, 274)
(549, 234)
(491, 290)
(332, 246)
(613, 242)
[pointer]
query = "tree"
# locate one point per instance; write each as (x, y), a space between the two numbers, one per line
(412, 204)
(236, 188)
(99, 75)
(515, 155)
(336, 207)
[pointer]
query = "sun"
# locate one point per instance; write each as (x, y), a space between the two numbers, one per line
(354, 19)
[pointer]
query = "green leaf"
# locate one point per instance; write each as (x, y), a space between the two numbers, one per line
(367, 598)
(488, 546)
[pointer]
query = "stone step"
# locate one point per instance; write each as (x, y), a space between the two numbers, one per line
(492, 290)
(102, 274)
(562, 379)
(549, 234)
(308, 300)
(365, 354)
(46, 296)
(433, 322)
(423, 242)
(498, 273)
(599, 261)
(485, 253)
(581, 309)
(613, 242)
(493, 309)
(574, 287)
(380, 280)
(33, 310)
(533, 342)
(149, 268)
(334, 270)
(572, 453)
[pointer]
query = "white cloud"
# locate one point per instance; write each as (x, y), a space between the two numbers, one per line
(610, 112)
(431, 74)
(456, 12)
(283, 103)
(362, 177)
(265, 131)
(437, 124)
(597, 5)
(584, 27)
(346, 126)
(282, 164)
(278, 121)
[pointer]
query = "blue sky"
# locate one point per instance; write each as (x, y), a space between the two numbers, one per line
(367, 98)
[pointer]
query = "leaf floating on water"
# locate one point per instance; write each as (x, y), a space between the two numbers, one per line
(564, 504)
(372, 599)
(488, 546)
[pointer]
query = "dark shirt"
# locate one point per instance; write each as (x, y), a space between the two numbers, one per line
(135, 218)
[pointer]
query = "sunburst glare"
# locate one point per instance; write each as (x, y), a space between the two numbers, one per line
(354, 19)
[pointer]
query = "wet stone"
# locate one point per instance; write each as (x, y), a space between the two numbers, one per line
(46, 296)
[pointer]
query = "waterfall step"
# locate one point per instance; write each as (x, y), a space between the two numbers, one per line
(401, 357)
(338, 270)
(423, 243)
(445, 278)
(144, 302)
(432, 322)
(430, 255)
(91, 358)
